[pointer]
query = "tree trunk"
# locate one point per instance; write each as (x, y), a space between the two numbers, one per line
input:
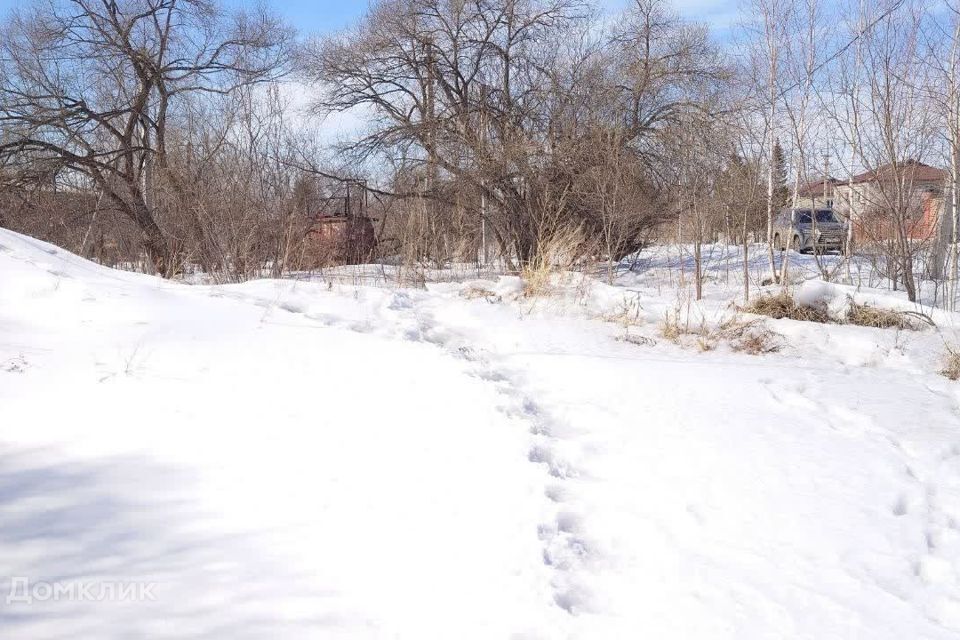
(152, 238)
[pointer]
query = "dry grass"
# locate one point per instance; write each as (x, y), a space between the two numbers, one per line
(863, 315)
(626, 314)
(671, 327)
(783, 305)
(749, 336)
(557, 253)
(676, 322)
(951, 368)
(413, 276)
(641, 341)
(756, 342)
(704, 343)
(743, 336)
(476, 291)
(537, 280)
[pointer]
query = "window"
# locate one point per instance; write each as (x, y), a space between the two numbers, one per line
(805, 216)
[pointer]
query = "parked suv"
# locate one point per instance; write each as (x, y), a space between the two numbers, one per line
(807, 230)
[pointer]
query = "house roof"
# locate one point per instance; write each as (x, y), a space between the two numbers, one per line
(911, 170)
(815, 187)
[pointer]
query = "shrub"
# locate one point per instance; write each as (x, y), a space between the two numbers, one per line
(783, 305)
(751, 336)
(670, 327)
(557, 253)
(864, 315)
(756, 342)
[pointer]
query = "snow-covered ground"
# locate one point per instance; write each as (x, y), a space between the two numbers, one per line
(290, 459)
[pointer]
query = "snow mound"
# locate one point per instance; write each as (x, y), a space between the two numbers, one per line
(262, 455)
(837, 299)
(304, 459)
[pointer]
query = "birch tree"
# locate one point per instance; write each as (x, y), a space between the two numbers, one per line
(769, 32)
(945, 60)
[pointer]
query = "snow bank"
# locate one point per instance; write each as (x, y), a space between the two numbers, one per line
(307, 459)
(271, 474)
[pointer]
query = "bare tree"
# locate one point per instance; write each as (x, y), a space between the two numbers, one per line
(503, 98)
(772, 18)
(92, 87)
(897, 132)
(944, 58)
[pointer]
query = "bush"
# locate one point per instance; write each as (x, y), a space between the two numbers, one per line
(557, 253)
(670, 327)
(783, 305)
(863, 315)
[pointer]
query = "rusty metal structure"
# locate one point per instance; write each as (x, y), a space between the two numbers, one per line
(341, 231)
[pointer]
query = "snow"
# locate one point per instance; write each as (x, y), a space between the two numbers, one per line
(306, 459)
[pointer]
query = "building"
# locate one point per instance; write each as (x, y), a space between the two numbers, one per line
(338, 240)
(911, 193)
(818, 194)
(340, 231)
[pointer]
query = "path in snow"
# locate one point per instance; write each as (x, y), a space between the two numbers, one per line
(719, 497)
(271, 474)
(288, 459)
(404, 316)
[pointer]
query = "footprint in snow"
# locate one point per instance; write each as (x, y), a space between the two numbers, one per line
(489, 375)
(556, 493)
(900, 507)
(292, 307)
(400, 302)
(952, 452)
(17, 364)
(574, 600)
(569, 522)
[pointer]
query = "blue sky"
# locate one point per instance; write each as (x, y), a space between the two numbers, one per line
(306, 15)
(317, 16)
